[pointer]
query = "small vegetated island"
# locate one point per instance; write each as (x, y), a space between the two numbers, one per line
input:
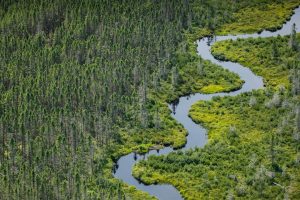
(83, 83)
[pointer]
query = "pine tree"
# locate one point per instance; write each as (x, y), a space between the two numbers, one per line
(174, 77)
(252, 101)
(293, 41)
(297, 124)
(275, 52)
(143, 103)
(295, 81)
(200, 69)
(272, 150)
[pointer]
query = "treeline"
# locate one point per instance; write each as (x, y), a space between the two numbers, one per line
(254, 149)
(73, 73)
(67, 82)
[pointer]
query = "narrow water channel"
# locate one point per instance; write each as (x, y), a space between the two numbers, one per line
(197, 134)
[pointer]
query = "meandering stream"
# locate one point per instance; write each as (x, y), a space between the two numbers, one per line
(197, 134)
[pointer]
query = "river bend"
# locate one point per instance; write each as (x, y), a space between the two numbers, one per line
(197, 136)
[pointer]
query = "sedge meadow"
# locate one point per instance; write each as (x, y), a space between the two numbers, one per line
(146, 99)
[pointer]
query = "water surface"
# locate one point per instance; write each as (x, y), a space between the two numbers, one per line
(197, 136)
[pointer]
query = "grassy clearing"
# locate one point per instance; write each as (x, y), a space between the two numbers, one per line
(232, 164)
(270, 58)
(252, 151)
(209, 79)
(259, 18)
(237, 161)
(72, 88)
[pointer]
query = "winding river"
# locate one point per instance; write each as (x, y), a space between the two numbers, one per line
(197, 134)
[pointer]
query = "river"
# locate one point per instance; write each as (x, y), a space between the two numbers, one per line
(197, 136)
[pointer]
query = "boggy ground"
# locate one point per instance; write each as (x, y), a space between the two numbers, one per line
(252, 149)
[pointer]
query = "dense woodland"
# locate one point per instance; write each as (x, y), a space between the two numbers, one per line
(81, 81)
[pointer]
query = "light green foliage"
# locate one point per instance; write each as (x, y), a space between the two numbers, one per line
(258, 55)
(260, 17)
(77, 91)
(239, 144)
(84, 82)
(253, 149)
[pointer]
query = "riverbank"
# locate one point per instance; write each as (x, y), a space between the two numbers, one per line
(157, 170)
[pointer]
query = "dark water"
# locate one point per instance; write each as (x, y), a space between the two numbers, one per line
(197, 134)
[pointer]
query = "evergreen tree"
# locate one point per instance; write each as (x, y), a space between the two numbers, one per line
(293, 41)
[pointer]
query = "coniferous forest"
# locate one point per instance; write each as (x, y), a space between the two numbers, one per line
(85, 82)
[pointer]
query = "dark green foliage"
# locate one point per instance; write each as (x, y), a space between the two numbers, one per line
(247, 158)
(74, 75)
(253, 148)
(70, 74)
